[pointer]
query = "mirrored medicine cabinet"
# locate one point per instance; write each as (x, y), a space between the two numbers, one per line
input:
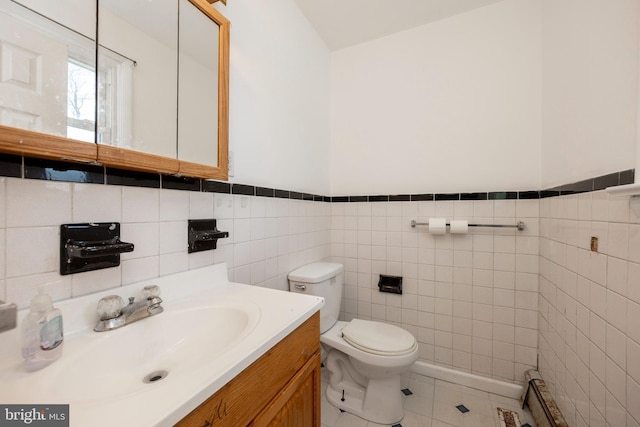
(131, 84)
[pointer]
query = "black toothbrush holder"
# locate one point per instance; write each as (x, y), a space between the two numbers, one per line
(90, 246)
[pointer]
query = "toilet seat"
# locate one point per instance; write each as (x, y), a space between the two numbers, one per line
(378, 338)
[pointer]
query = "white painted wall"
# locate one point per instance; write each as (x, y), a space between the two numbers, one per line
(279, 97)
(449, 106)
(589, 79)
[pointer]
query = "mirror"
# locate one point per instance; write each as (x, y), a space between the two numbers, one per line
(139, 107)
(47, 63)
(197, 103)
(138, 75)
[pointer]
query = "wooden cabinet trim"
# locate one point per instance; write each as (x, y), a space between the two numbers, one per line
(287, 409)
(39, 145)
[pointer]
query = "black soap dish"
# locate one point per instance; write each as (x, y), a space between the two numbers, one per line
(203, 235)
(90, 246)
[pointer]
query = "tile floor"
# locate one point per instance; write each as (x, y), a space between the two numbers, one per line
(433, 404)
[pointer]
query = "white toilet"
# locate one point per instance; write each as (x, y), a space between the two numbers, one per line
(365, 359)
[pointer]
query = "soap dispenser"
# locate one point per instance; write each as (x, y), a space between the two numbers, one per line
(42, 335)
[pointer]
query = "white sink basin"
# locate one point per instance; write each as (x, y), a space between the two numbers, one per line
(167, 344)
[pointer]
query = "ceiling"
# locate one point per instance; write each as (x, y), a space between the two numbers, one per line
(344, 23)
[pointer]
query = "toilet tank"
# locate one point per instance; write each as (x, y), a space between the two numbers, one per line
(323, 279)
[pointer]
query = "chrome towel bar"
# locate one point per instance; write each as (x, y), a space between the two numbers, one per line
(519, 225)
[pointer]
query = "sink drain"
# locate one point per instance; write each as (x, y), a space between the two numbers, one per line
(155, 376)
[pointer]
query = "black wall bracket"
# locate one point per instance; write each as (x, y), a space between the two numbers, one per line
(203, 235)
(90, 246)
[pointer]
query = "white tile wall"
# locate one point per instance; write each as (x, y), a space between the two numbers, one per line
(480, 302)
(268, 237)
(589, 308)
(470, 299)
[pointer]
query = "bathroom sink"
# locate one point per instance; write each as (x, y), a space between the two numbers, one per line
(157, 370)
(159, 348)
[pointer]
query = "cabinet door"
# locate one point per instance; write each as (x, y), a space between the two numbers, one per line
(298, 403)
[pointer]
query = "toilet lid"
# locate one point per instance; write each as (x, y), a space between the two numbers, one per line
(378, 338)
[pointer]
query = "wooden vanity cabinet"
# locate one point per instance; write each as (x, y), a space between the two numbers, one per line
(281, 388)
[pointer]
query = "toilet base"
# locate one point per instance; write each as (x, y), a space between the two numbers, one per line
(380, 402)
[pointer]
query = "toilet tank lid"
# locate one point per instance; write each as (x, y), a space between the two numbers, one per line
(316, 272)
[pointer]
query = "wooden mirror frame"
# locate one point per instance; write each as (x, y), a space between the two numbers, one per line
(40, 145)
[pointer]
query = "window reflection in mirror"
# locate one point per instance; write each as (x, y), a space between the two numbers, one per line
(198, 86)
(138, 74)
(47, 77)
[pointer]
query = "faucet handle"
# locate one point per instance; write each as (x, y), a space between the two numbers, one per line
(110, 307)
(151, 291)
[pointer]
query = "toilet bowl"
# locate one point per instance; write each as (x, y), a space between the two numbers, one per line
(365, 359)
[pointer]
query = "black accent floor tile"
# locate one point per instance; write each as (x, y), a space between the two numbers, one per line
(378, 198)
(339, 199)
(307, 196)
(406, 392)
(358, 198)
(400, 198)
(462, 409)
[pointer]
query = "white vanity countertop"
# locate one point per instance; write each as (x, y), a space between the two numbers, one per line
(110, 391)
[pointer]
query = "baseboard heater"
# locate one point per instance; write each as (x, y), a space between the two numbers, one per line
(537, 397)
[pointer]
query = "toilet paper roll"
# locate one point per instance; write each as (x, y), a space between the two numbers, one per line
(459, 226)
(437, 225)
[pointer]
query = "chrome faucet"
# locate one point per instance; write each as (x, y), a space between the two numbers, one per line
(114, 314)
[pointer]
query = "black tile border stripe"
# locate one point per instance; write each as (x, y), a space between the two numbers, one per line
(421, 197)
(52, 170)
(282, 194)
(265, 192)
(246, 190)
(178, 183)
(504, 195)
(216, 187)
(474, 196)
(12, 166)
